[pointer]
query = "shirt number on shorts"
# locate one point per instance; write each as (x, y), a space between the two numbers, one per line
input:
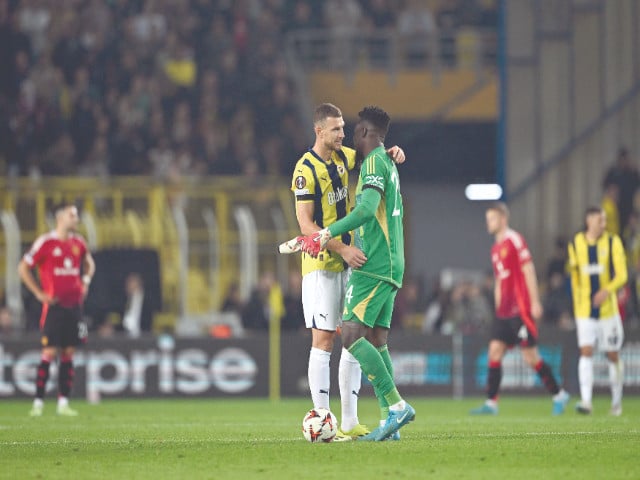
(522, 333)
(83, 331)
(349, 294)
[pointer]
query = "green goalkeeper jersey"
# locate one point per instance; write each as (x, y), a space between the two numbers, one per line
(380, 236)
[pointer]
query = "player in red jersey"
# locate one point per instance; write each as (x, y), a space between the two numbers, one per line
(65, 267)
(518, 308)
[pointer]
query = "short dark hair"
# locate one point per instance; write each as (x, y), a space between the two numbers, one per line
(499, 207)
(376, 117)
(58, 207)
(592, 210)
(324, 111)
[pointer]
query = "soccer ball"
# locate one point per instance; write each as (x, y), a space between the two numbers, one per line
(319, 425)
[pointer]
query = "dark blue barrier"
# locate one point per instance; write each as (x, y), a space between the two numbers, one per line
(168, 367)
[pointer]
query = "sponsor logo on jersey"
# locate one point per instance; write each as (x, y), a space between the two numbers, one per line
(593, 269)
(67, 269)
(374, 181)
(336, 196)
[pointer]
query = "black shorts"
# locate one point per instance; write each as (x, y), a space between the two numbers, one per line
(63, 327)
(513, 331)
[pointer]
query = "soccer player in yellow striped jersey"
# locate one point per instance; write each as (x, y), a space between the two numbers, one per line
(371, 291)
(598, 270)
(320, 184)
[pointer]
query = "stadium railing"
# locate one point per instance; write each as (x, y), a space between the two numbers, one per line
(195, 225)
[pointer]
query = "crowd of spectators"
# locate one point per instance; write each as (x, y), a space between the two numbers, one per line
(153, 87)
(171, 87)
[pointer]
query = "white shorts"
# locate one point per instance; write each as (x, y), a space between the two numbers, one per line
(322, 299)
(607, 333)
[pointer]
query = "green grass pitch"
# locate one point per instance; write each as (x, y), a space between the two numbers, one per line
(246, 439)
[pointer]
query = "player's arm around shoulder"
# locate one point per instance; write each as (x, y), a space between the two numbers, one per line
(396, 154)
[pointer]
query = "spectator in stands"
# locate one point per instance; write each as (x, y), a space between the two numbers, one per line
(343, 19)
(293, 318)
(468, 311)
(137, 316)
(557, 290)
(416, 27)
(558, 261)
(448, 19)
(631, 241)
(556, 302)
(610, 198)
(437, 305)
(265, 302)
(624, 174)
(301, 17)
(7, 327)
(409, 306)
(129, 66)
(381, 18)
(34, 19)
(232, 301)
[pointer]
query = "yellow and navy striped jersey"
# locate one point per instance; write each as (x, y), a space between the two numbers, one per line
(593, 266)
(327, 186)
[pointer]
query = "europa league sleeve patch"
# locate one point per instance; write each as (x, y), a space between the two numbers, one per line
(300, 182)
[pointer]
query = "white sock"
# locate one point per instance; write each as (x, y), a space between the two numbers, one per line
(616, 378)
(396, 407)
(319, 377)
(585, 376)
(38, 402)
(559, 395)
(63, 401)
(350, 380)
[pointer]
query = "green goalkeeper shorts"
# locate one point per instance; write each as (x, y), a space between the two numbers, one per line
(369, 300)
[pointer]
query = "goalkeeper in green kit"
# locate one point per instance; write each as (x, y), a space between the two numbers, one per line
(371, 290)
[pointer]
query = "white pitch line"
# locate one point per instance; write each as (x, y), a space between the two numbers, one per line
(143, 441)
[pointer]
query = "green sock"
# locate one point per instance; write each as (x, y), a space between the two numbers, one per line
(386, 358)
(376, 371)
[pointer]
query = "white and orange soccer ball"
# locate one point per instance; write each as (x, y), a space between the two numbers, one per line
(319, 425)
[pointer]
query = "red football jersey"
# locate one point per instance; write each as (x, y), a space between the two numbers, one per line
(58, 262)
(508, 257)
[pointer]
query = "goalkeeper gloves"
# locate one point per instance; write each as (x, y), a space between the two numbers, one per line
(312, 244)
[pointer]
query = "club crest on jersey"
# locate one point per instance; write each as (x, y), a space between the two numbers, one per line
(300, 182)
(56, 252)
(503, 252)
(374, 181)
(340, 169)
(75, 250)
